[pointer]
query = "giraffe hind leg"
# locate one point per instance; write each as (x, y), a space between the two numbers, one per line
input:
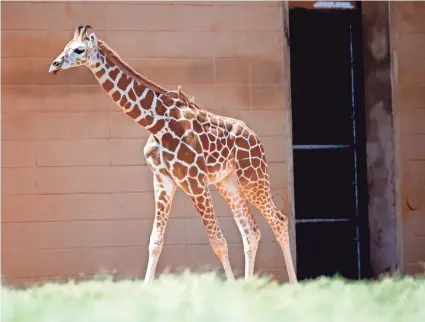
(260, 196)
(229, 188)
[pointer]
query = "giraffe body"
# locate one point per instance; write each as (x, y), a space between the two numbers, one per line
(188, 148)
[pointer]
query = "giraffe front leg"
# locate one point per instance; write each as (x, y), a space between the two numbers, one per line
(164, 189)
(251, 235)
(203, 204)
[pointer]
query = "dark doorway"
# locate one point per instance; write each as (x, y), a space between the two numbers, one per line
(329, 148)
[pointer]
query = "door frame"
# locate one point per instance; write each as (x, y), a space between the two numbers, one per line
(383, 258)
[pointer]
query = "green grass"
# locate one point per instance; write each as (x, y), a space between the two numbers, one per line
(207, 298)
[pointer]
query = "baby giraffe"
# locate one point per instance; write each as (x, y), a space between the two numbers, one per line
(189, 148)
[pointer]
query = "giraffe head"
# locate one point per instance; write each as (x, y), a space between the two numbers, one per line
(81, 50)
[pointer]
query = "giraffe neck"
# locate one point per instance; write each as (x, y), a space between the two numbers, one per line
(145, 105)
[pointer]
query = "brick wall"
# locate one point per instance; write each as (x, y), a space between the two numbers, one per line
(76, 192)
(408, 52)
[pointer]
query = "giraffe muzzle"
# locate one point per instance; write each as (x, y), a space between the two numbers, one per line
(55, 67)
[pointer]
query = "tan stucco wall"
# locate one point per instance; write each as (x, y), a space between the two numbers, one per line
(76, 192)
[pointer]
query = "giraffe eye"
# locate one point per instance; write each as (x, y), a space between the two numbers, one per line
(79, 50)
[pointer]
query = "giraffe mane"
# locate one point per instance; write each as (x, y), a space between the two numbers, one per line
(116, 59)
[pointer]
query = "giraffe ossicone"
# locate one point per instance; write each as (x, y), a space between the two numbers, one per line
(188, 148)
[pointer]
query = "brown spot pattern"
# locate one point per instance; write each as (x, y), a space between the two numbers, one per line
(179, 170)
(160, 109)
(169, 142)
(179, 127)
(114, 73)
(100, 73)
(134, 113)
(157, 126)
(123, 101)
(116, 96)
(131, 95)
(107, 85)
(146, 102)
(175, 114)
(139, 89)
(123, 82)
(186, 154)
(147, 120)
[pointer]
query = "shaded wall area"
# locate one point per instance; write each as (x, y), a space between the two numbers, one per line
(76, 192)
(380, 138)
